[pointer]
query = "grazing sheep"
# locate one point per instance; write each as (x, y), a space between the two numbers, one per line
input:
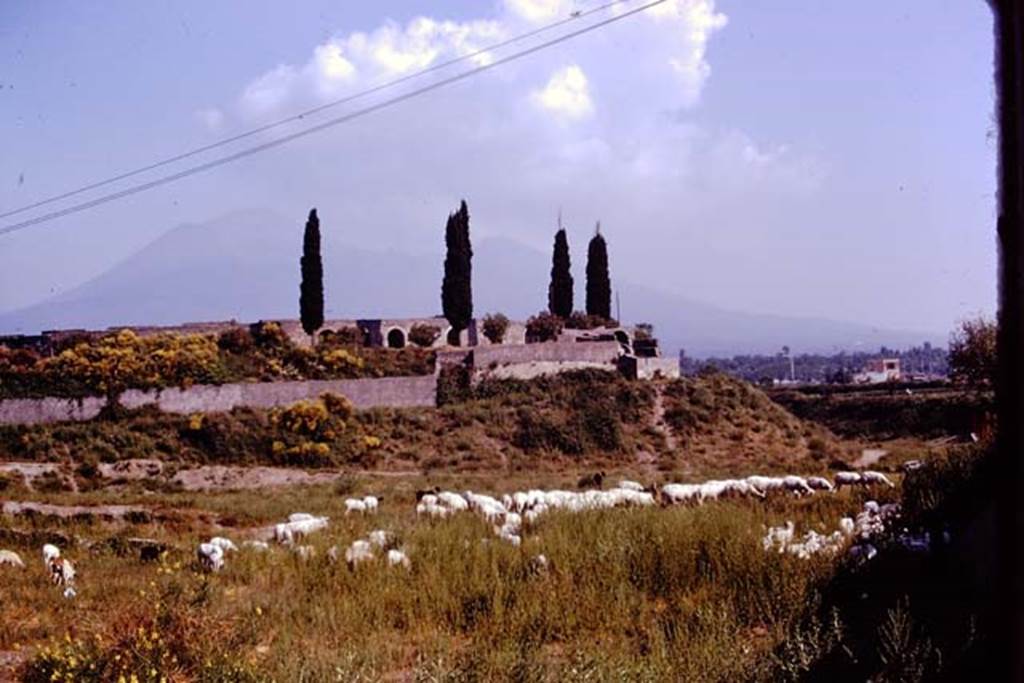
(11, 559)
(360, 551)
(258, 546)
(398, 558)
(211, 557)
(871, 477)
(299, 517)
(372, 502)
(630, 485)
(287, 532)
(766, 484)
(674, 494)
(355, 505)
(380, 538)
(820, 484)
(796, 485)
(453, 501)
(50, 553)
(225, 544)
(847, 479)
(593, 480)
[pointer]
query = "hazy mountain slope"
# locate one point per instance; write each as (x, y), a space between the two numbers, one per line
(245, 266)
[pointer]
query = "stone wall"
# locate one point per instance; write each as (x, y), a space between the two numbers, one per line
(531, 360)
(398, 392)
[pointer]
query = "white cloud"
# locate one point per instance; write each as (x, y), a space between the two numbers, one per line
(537, 11)
(567, 94)
(269, 91)
(212, 118)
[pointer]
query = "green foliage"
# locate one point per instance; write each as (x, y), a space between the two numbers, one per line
(456, 287)
(311, 289)
(585, 321)
(560, 289)
(599, 285)
(424, 335)
(972, 353)
(543, 327)
(495, 326)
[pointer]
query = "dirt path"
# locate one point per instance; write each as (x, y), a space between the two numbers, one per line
(659, 419)
(869, 457)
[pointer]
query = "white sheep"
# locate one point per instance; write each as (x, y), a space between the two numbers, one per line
(355, 505)
(225, 544)
(11, 559)
(674, 494)
(398, 558)
(380, 538)
(847, 479)
(871, 477)
(796, 485)
(453, 501)
(372, 503)
(211, 557)
(360, 551)
(630, 485)
(258, 546)
(299, 517)
(50, 553)
(820, 484)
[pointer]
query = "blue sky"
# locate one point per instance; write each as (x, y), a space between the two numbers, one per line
(799, 158)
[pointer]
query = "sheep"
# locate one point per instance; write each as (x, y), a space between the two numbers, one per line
(452, 501)
(287, 532)
(820, 484)
(360, 551)
(871, 477)
(538, 564)
(678, 493)
(765, 484)
(11, 559)
(398, 558)
(258, 546)
(210, 556)
(225, 544)
(299, 517)
(372, 502)
(380, 538)
(630, 485)
(50, 553)
(796, 485)
(847, 479)
(355, 505)
(432, 509)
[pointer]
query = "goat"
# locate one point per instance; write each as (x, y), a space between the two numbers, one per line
(11, 559)
(210, 556)
(593, 480)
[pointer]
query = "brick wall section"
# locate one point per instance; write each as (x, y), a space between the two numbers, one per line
(554, 352)
(398, 392)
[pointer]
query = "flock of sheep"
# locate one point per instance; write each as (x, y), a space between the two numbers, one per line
(510, 514)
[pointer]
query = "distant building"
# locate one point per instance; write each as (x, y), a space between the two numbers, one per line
(879, 370)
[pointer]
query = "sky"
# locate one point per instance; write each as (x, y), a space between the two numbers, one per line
(786, 157)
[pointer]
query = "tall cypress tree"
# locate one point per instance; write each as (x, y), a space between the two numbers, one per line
(560, 289)
(599, 284)
(457, 288)
(311, 290)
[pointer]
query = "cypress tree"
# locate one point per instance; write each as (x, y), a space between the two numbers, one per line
(560, 289)
(457, 288)
(311, 290)
(599, 284)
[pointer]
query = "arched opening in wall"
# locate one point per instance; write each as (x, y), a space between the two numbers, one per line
(396, 338)
(453, 337)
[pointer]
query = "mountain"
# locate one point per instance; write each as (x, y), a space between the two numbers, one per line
(245, 266)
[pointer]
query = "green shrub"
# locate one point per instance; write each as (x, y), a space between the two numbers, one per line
(543, 327)
(495, 327)
(424, 335)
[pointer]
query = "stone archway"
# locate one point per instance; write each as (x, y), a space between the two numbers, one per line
(453, 337)
(395, 338)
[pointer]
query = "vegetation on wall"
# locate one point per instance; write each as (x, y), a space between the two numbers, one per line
(495, 326)
(543, 327)
(112, 363)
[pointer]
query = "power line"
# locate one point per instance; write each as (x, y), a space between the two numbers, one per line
(135, 189)
(575, 16)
